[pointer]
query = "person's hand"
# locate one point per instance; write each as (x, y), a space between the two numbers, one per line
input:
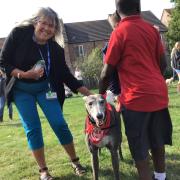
(33, 74)
(84, 91)
(1, 73)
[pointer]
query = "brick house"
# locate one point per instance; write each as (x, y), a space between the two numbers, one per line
(166, 16)
(1, 42)
(81, 37)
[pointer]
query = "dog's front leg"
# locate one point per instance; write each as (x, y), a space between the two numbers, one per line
(115, 163)
(95, 163)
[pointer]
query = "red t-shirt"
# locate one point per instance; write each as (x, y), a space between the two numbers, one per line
(135, 48)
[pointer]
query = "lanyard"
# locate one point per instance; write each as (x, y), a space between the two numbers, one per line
(47, 65)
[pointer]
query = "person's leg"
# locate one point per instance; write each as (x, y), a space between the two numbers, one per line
(158, 156)
(26, 105)
(136, 127)
(10, 109)
(143, 169)
(160, 134)
(52, 111)
(2, 104)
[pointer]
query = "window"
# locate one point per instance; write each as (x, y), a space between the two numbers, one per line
(81, 50)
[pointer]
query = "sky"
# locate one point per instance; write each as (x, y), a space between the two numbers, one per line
(13, 11)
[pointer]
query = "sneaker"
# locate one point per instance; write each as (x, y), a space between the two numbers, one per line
(156, 179)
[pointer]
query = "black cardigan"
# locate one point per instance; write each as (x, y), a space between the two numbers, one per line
(13, 56)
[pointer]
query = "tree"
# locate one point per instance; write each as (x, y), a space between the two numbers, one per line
(91, 65)
(173, 34)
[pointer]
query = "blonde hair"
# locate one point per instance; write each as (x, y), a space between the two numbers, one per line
(52, 15)
(176, 47)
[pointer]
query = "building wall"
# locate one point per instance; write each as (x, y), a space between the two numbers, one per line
(88, 47)
(166, 18)
(1, 42)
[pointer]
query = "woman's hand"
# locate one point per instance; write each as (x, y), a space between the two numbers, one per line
(30, 74)
(84, 91)
(33, 74)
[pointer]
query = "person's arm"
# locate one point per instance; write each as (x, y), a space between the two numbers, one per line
(104, 78)
(8, 51)
(84, 91)
(30, 74)
(163, 63)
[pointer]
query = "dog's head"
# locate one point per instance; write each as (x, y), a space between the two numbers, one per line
(96, 108)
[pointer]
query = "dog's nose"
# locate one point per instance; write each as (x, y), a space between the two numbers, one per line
(99, 116)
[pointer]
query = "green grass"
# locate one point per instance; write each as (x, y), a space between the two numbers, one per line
(16, 162)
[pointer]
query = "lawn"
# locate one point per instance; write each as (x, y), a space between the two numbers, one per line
(16, 162)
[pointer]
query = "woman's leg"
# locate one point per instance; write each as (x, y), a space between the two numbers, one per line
(26, 105)
(52, 111)
(2, 104)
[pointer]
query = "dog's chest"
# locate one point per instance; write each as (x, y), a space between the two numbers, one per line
(106, 140)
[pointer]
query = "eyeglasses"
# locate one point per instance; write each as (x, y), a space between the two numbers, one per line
(45, 23)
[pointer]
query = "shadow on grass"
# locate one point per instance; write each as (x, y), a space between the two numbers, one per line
(106, 174)
(15, 123)
(76, 96)
(173, 92)
(11, 124)
(70, 176)
(174, 106)
(74, 177)
(173, 163)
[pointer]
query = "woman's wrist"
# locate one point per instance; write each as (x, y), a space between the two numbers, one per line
(21, 74)
(83, 90)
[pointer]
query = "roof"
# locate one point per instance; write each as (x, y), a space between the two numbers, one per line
(151, 18)
(80, 32)
(169, 10)
(87, 31)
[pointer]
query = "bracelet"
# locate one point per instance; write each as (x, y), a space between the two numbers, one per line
(18, 75)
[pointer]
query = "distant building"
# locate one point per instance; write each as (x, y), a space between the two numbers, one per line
(80, 38)
(1, 42)
(166, 16)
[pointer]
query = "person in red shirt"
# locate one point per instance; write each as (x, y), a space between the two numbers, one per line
(135, 50)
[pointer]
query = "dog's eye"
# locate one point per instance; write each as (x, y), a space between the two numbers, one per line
(90, 103)
(101, 101)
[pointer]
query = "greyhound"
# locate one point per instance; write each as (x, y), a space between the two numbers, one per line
(103, 129)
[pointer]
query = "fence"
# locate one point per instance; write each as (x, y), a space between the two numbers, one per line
(91, 83)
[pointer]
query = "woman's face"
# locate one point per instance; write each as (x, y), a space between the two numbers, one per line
(44, 30)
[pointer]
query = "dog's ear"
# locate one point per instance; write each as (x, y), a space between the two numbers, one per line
(84, 98)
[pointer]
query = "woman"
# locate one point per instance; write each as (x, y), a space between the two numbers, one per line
(175, 55)
(31, 41)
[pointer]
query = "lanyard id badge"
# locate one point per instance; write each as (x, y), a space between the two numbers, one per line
(50, 95)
